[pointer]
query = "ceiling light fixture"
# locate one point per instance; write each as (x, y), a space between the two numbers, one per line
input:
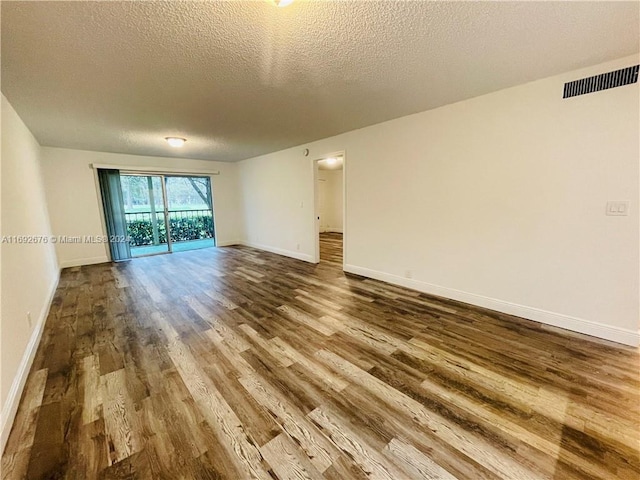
(175, 142)
(331, 161)
(281, 3)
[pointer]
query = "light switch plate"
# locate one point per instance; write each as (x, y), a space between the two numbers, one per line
(618, 208)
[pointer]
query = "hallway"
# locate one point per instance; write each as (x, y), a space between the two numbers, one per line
(331, 248)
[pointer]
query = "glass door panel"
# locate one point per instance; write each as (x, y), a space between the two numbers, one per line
(190, 205)
(145, 214)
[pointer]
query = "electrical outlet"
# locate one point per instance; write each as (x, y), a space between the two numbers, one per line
(297, 246)
(29, 319)
(408, 274)
(618, 208)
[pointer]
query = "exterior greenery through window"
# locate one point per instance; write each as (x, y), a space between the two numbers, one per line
(189, 204)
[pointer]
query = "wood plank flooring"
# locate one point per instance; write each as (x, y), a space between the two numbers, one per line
(236, 363)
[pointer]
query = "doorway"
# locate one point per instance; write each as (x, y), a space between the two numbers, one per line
(329, 208)
(152, 214)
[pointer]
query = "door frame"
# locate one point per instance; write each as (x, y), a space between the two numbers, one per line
(316, 206)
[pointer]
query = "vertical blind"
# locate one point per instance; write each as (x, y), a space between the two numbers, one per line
(113, 203)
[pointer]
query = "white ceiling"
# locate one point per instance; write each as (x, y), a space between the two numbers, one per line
(238, 79)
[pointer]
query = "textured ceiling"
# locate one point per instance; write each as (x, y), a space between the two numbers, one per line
(238, 79)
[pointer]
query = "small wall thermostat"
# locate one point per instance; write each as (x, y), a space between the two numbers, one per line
(305, 152)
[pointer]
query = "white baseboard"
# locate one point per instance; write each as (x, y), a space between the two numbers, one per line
(580, 325)
(287, 253)
(333, 230)
(12, 402)
(228, 243)
(84, 261)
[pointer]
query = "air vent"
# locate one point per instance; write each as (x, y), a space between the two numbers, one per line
(604, 81)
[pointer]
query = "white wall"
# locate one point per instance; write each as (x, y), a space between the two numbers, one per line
(75, 207)
(29, 271)
(498, 201)
(330, 200)
(277, 204)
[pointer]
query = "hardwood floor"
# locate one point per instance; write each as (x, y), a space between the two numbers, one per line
(331, 249)
(236, 363)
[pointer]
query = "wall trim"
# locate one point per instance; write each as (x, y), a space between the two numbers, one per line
(84, 261)
(10, 408)
(580, 325)
(228, 243)
(305, 257)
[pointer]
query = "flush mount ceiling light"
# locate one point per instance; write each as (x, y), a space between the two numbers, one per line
(281, 3)
(175, 142)
(331, 161)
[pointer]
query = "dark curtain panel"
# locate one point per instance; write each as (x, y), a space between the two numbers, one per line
(113, 203)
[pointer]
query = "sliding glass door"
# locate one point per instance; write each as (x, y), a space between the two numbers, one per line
(190, 208)
(161, 213)
(145, 214)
